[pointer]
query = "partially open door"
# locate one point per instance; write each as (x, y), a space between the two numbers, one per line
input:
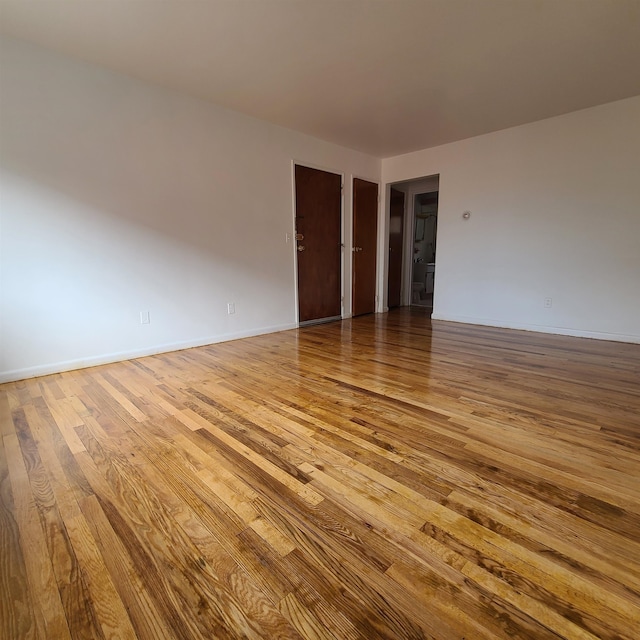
(396, 239)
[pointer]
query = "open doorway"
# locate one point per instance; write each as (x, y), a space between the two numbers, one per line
(419, 231)
(423, 267)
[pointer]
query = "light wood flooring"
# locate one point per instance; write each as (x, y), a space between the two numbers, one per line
(383, 477)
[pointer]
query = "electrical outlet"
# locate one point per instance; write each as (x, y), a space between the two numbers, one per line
(231, 308)
(548, 302)
(144, 317)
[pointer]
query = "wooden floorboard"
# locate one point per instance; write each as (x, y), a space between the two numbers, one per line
(381, 477)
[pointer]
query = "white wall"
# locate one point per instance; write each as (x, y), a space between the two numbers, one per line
(555, 212)
(119, 197)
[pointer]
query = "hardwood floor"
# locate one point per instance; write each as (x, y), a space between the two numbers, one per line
(375, 478)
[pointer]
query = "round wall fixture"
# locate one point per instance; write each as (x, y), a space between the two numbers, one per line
(466, 215)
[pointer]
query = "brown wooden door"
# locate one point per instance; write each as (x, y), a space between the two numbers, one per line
(365, 235)
(318, 223)
(396, 228)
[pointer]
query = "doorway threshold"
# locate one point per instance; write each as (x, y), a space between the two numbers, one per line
(308, 323)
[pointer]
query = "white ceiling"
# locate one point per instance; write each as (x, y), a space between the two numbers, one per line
(381, 76)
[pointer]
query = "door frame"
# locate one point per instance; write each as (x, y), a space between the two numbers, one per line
(290, 237)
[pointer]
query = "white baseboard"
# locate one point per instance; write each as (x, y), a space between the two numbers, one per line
(92, 361)
(119, 356)
(563, 331)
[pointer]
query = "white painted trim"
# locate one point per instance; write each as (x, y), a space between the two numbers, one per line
(119, 356)
(562, 331)
(382, 284)
(294, 242)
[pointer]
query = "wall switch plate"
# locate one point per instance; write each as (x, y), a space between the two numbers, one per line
(231, 308)
(547, 303)
(288, 237)
(144, 317)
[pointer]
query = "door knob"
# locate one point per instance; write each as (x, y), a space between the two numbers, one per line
(300, 247)
(299, 236)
